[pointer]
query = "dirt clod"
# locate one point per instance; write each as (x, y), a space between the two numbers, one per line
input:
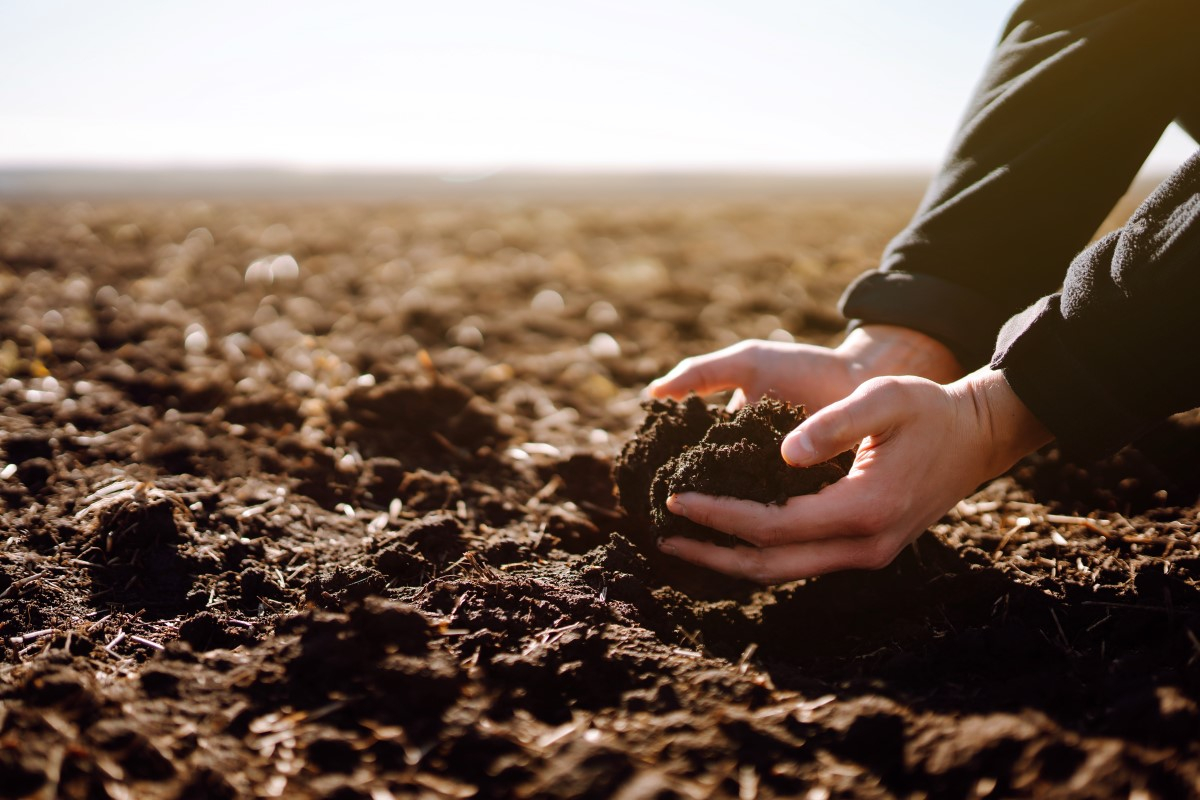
(690, 447)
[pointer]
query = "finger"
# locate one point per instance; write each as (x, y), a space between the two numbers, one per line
(715, 372)
(736, 401)
(871, 411)
(784, 563)
(837, 510)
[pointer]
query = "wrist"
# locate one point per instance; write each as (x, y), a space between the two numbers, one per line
(877, 350)
(1011, 429)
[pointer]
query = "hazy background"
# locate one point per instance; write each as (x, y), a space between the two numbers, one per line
(470, 87)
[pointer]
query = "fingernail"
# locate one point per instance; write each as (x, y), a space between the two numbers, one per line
(661, 543)
(798, 449)
(675, 505)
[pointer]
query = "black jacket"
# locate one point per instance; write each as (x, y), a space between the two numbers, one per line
(1076, 96)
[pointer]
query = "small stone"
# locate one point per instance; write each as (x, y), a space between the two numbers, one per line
(548, 301)
(602, 345)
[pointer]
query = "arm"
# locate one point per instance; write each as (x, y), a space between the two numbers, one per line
(1075, 97)
(1115, 352)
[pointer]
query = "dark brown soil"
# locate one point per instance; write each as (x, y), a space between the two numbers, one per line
(691, 447)
(346, 527)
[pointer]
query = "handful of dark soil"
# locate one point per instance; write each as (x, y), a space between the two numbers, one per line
(693, 447)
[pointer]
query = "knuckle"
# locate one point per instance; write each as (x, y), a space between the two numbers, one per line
(757, 567)
(906, 392)
(887, 389)
(750, 356)
(836, 428)
(753, 565)
(776, 531)
(874, 385)
(764, 536)
(878, 553)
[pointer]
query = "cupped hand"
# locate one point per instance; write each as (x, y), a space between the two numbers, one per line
(922, 447)
(808, 374)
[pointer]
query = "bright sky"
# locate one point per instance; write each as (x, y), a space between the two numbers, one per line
(485, 84)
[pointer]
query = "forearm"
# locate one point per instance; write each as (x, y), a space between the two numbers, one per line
(1116, 352)
(1075, 97)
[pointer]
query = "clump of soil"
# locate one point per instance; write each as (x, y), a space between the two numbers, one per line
(378, 418)
(669, 429)
(689, 446)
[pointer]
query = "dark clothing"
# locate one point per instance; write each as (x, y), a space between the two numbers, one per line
(1116, 351)
(1076, 96)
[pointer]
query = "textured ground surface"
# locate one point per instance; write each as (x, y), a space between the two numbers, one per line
(315, 501)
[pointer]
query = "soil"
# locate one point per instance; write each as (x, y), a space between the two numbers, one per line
(688, 446)
(316, 500)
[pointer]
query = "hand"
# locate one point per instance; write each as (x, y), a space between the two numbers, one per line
(923, 448)
(803, 373)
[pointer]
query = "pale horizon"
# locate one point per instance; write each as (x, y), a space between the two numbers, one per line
(476, 88)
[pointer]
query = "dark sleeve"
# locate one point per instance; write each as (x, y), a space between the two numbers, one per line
(1076, 95)
(1117, 350)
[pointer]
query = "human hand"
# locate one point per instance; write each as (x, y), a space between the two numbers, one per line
(923, 447)
(808, 374)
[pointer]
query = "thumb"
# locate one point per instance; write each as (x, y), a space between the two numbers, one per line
(725, 369)
(870, 411)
